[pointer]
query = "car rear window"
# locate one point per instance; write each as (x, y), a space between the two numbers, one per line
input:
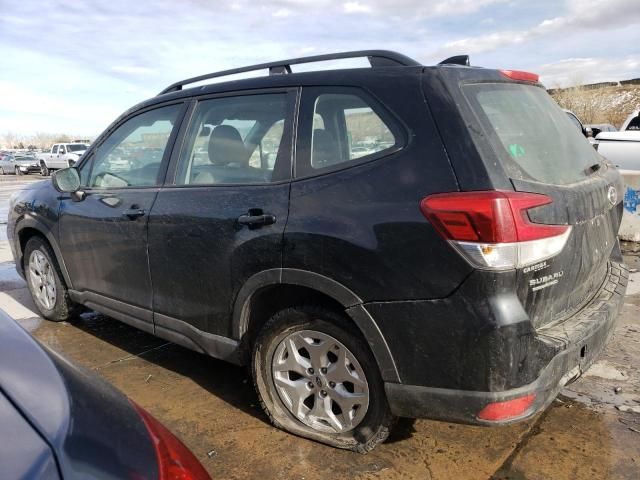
(530, 133)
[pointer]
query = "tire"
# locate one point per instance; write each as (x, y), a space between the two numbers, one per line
(1, 171)
(44, 171)
(368, 420)
(18, 172)
(40, 263)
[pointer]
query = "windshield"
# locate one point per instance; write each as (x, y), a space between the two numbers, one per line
(76, 147)
(530, 133)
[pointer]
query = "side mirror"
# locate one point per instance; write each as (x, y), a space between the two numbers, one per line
(588, 132)
(66, 180)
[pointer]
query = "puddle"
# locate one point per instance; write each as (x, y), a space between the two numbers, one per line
(572, 441)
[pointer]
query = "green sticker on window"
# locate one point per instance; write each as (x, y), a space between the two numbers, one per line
(516, 150)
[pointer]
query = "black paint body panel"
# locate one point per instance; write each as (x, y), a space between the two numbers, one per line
(187, 271)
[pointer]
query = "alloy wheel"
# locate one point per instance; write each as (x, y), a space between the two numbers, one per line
(320, 381)
(42, 280)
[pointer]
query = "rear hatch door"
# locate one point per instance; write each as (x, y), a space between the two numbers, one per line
(526, 143)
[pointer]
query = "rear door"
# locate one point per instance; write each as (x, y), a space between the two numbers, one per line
(221, 215)
(524, 137)
(103, 237)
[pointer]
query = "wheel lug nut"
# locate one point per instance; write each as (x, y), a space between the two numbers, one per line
(310, 384)
(310, 371)
(332, 384)
(323, 393)
(323, 370)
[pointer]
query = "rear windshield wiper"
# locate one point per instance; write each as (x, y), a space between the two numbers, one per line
(593, 168)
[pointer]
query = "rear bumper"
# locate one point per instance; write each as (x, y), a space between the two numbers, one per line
(578, 341)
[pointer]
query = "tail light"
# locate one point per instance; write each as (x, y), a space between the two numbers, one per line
(501, 411)
(175, 461)
(492, 228)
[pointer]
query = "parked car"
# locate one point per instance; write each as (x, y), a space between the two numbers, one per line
(7, 164)
(585, 130)
(60, 422)
(18, 164)
(466, 269)
(597, 128)
(61, 155)
(632, 123)
(620, 148)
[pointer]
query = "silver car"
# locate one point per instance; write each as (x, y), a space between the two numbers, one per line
(18, 164)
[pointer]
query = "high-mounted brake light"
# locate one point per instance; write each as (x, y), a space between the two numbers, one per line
(175, 461)
(492, 228)
(520, 75)
(501, 411)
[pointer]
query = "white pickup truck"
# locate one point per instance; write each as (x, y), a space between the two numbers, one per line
(622, 148)
(61, 155)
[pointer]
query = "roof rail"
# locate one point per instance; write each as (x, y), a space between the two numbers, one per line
(377, 58)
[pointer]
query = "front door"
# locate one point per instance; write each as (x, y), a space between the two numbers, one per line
(103, 237)
(220, 217)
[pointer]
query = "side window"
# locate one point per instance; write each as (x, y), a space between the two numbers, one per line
(234, 140)
(84, 169)
(131, 156)
(62, 150)
(55, 149)
(634, 124)
(345, 128)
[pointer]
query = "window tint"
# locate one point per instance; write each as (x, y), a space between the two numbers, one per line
(267, 151)
(55, 149)
(132, 154)
(76, 147)
(84, 169)
(634, 124)
(345, 128)
(530, 133)
(233, 140)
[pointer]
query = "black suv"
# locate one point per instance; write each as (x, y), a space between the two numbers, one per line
(400, 240)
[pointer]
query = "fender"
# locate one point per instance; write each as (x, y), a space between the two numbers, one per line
(352, 304)
(29, 221)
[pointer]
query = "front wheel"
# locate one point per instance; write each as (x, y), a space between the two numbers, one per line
(317, 378)
(44, 171)
(45, 281)
(18, 171)
(1, 171)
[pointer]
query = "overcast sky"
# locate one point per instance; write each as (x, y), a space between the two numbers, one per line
(72, 65)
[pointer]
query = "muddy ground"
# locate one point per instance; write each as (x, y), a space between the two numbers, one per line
(589, 432)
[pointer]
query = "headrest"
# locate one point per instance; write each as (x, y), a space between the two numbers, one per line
(226, 146)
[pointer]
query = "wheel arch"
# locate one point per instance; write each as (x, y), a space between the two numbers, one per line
(29, 227)
(271, 290)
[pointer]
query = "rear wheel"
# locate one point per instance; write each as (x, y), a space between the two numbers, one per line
(317, 378)
(45, 281)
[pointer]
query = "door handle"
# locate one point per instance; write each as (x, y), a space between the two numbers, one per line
(133, 213)
(255, 218)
